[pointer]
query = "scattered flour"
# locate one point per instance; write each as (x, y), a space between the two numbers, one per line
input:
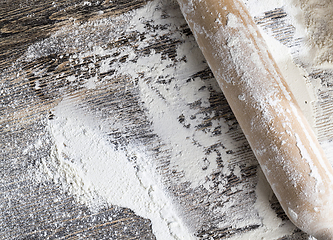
(87, 165)
(318, 18)
(91, 168)
(273, 227)
(313, 22)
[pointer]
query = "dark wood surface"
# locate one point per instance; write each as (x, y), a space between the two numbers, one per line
(33, 209)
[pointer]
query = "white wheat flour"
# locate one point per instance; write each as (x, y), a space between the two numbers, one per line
(88, 166)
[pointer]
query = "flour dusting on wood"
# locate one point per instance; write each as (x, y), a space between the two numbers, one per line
(189, 180)
(100, 174)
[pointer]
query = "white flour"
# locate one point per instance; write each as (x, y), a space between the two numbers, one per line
(318, 18)
(87, 165)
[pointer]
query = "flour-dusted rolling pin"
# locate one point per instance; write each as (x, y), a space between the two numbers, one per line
(280, 137)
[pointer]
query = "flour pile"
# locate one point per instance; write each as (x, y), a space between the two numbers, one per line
(318, 18)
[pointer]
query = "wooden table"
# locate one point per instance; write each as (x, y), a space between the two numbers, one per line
(40, 42)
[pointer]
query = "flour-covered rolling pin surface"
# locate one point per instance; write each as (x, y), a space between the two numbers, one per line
(281, 138)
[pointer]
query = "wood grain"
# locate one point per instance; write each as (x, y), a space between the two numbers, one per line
(56, 31)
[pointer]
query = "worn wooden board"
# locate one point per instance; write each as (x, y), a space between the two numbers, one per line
(55, 32)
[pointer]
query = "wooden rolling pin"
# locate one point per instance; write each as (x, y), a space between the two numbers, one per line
(280, 137)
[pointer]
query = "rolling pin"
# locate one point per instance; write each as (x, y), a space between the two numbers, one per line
(277, 131)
